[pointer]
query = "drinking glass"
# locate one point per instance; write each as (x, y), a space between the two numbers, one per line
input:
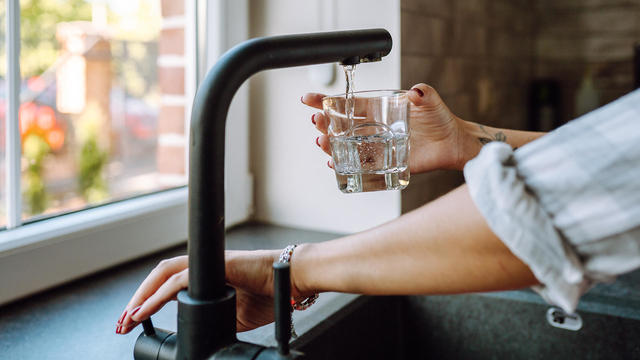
(369, 136)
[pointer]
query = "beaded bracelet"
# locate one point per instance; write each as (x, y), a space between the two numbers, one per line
(285, 257)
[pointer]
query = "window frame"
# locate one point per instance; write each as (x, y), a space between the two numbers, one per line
(42, 254)
(13, 146)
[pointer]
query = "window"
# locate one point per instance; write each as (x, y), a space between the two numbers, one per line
(102, 101)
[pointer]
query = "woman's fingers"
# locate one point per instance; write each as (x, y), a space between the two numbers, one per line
(164, 270)
(323, 142)
(426, 96)
(154, 281)
(155, 302)
(312, 99)
(320, 121)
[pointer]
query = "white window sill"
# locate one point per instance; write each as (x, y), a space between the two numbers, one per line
(50, 252)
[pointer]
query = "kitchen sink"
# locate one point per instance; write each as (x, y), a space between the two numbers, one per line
(509, 325)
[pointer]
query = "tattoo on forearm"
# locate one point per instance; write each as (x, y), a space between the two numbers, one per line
(499, 136)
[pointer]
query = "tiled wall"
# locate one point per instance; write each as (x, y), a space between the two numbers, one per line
(478, 54)
(576, 38)
(482, 55)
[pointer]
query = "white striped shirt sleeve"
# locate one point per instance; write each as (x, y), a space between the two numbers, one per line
(567, 204)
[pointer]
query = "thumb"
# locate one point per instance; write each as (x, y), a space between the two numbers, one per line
(424, 95)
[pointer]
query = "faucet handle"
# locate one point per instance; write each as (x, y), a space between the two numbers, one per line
(147, 325)
(282, 303)
(157, 344)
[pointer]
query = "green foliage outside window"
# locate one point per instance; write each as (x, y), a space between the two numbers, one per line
(35, 150)
(91, 179)
(92, 158)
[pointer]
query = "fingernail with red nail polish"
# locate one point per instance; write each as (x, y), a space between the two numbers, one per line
(118, 329)
(124, 314)
(126, 328)
(318, 141)
(329, 163)
(134, 311)
(420, 93)
(313, 119)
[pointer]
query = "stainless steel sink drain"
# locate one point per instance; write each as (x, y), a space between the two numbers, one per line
(560, 319)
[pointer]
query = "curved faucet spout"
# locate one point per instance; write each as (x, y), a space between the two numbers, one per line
(207, 142)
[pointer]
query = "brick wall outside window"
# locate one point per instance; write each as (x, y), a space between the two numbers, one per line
(170, 157)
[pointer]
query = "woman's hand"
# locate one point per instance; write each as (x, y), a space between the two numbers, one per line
(249, 272)
(439, 139)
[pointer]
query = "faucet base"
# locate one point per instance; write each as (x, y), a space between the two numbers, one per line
(205, 326)
(162, 345)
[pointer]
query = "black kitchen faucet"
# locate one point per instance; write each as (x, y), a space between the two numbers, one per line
(207, 310)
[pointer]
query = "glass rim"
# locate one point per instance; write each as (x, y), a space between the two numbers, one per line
(383, 93)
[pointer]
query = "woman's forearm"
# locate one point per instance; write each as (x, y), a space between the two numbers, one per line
(442, 247)
(478, 135)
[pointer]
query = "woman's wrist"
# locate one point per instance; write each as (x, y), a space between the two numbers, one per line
(299, 274)
(469, 142)
(477, 135)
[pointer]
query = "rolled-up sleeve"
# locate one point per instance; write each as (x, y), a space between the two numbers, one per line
(567, 204)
